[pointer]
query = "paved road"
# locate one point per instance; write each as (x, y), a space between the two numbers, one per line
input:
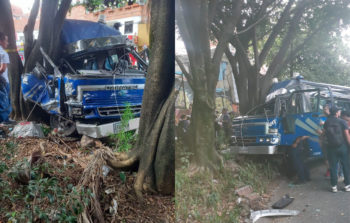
(314, 201)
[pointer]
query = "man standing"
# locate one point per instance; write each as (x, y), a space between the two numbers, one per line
(226, 124)
(5, 106)
(336, 131)
(298, 153)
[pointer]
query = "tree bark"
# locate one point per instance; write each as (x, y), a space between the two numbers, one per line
(155, 147)
(51, 20)
(194, 19)
(15, 68)
(202, 132)
(156, 139)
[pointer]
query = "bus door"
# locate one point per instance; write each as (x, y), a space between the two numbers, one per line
(300, 116)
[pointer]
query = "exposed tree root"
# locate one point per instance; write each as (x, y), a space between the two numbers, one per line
(212, 164)
(92, 179)
(122, 160)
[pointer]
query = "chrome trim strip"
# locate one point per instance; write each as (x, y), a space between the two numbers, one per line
(115, 87)
(252, 123)
(117, 110)
(254, 149)
(99, 131)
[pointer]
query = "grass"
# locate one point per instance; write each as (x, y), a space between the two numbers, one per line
(204, 197)
(256, 174)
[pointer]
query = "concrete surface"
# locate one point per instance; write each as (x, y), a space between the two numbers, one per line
(314, 201)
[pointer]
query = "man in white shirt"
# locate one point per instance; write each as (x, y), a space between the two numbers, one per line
(4, 57)
(5, 106)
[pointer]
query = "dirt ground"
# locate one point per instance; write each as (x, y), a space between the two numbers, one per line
(67, 155)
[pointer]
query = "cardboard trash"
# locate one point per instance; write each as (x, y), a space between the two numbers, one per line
(27, 129)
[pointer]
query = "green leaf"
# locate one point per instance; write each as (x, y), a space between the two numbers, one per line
(122, 177)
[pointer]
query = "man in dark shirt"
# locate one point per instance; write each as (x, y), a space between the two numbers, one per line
(226, 124)
(337, 133)
(182, 129)
(298, 154)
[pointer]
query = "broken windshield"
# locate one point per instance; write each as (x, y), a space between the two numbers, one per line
(267, 109)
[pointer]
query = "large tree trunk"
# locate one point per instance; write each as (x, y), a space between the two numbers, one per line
(155, 149)
(52, 17)
(194, 19)
(15, 68)
(202, 130)
(156, 139)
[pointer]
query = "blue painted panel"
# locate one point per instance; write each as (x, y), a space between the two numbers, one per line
(253, 129)
(101, 81)
(113, 98)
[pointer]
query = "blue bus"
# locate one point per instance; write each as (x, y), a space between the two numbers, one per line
(293, 108)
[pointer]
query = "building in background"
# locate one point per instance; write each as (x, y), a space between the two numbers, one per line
(20, 20)
(133, 19)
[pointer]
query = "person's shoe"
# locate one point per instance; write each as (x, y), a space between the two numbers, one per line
(334, 189)
(347, 188)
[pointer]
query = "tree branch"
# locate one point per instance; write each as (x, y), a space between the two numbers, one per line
(255, 49)
(226, 32)
(186, 36)
(275, 31)
(232, 61)
(28, 29)
(184, 71)
(290, 35)
(59, 19)
(212, 5)
(262, 12)
(302, 45)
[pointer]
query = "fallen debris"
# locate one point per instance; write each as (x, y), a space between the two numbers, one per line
(254, 216)
(283, 202)
(253, 197)
(32, 159)
(87, 141)
(244, 191)
(2, 134)
(27, 129)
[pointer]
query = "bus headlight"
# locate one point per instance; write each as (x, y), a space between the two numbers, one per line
(275, 140)
(273, 131)
(77, 111)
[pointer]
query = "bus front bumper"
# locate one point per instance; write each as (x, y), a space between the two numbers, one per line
(267, 150)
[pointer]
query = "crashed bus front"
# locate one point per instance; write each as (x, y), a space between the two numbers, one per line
(94, 83)
(293, 108)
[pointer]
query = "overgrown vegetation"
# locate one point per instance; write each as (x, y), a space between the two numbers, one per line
(33, 193)
(204, 197)
(124, 139)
